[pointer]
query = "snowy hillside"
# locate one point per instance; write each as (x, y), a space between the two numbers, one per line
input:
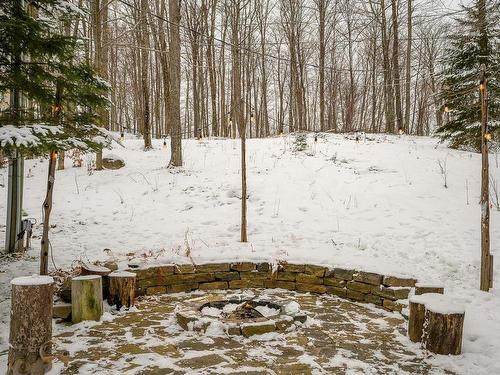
(377, 205)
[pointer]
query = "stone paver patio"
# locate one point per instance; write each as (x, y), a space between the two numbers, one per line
(339, 337)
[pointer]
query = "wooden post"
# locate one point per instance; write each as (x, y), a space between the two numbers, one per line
(443, 328)
(121, 289)
(30, 324)
(86, 298)
(486, 264)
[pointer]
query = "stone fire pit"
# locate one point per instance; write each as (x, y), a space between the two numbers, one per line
(239, 315)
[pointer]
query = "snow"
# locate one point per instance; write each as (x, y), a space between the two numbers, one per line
(267, 311)
(86, 277)
(292, 308)
(438, 303)
(122, 273)
(378, 206)
(32, 280)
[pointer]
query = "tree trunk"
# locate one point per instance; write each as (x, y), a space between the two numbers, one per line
(86, 298)
(47, 208)
(408, 69)
(121, 289)
(60, 160)
(175, 83)
(395, 64)
(30, 324)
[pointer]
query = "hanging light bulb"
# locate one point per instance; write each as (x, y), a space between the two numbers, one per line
(488, 136)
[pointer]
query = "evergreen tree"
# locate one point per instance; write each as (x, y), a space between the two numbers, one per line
(475, 40)
(42, 64)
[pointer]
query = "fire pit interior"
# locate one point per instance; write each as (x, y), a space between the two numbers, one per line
(240, 315)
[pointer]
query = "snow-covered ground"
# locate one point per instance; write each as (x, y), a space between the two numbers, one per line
(377, 205)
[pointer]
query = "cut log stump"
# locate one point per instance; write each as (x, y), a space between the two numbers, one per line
(86, 298)
(30, 324)
(416, 319)
(443, 327)
(121, 289)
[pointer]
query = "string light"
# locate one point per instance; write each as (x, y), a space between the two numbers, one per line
(446, 109)
(122, 136)
(164, 142)
(401, 131)
(481, 86)
(488, 136)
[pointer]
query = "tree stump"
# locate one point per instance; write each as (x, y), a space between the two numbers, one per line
(443, 328)
(416, 319)
(121, 289)
(30, 324)
(92, 269)
(417, 310)
(428, 288)
(86, 298)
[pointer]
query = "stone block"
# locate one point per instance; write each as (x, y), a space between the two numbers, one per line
(242, 284)
(61, 310)
(423, 289)
(368, 278)
(213, 267)
(376, 300)
(340, 292)
(213, 285)
(286, 276)
(393, 305)
(156, 281)
(227, 276)
(156, 290)
(184, 318)
(391, 293)
(243, 266)
(250, 329)
(309, 279)
(359, 287)
(184, 268)
(343, 274)
(290, 267)
(234, 330)
(333, 281)
(354, 295)
(185, 287)
(289, 285)
(189, 277)
(398, 281)
(254, 275)
(317, 271)
(153, 271)
(264, 267)
(313, 288)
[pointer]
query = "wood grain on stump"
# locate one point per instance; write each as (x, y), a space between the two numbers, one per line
(86, 298)
(121, 289)
(443, 328)
(30, 324)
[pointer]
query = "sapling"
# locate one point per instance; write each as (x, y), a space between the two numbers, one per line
(444, 170)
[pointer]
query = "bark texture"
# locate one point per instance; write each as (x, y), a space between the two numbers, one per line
(30, 326)
(86, 298)
(122, 289)
(443, 332)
